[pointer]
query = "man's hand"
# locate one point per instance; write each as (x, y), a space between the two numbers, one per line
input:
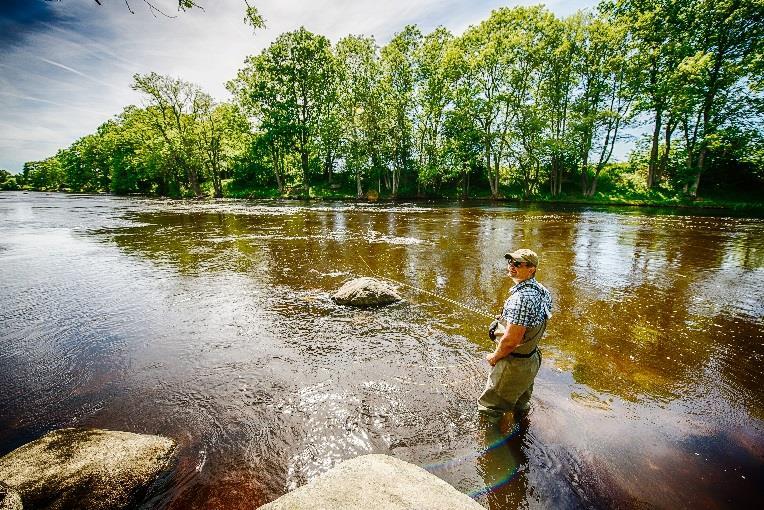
(507, 343)
(492, 330)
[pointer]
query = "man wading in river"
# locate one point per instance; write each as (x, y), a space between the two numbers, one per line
(516, 359)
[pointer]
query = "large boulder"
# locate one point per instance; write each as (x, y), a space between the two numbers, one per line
(375, 481)
(366, 292)
(86, 468)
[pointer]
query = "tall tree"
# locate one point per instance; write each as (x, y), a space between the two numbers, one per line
(726, 42)
(655, 51)
(359, 74)
(556, 94)
(398, 89)
(174, 108)
(434, 94)
(286, 87)
(603, 102)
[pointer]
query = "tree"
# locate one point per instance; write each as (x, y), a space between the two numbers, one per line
(435, 92)
(44, 175)
(603, 102)
(556, 95)
(499, 72)
(358, 71)
(286, 87)
(174, 108)
(221, 131)
(719, 73)
(655, 50)
(397, 89)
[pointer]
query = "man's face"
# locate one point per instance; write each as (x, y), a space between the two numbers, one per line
(519, 270)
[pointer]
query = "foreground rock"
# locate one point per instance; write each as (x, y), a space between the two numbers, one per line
(375, 481)
(86, 468)
(366, 292)
(9, 499)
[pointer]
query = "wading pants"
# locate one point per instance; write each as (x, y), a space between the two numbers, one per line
(509, 386)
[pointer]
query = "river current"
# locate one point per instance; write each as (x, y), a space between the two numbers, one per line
(211, 323)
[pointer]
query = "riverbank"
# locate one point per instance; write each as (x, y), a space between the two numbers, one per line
(655, 199)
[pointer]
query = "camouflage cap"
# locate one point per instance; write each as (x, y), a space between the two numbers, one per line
(524, 255)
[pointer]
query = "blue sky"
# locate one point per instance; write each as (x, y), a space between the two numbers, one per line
(66, 66)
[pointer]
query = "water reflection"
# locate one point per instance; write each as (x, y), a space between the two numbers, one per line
(212, 323)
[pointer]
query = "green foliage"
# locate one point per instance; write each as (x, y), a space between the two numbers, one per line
(8, 181)
(252, 17)
(46, 175)
(521, 105)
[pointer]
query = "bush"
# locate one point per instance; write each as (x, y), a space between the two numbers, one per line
(9, 184)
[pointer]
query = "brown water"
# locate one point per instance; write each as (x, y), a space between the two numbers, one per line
(212, 323)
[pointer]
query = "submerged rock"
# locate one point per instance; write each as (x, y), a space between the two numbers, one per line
(366, 292)
(86, 468)
(375, 481)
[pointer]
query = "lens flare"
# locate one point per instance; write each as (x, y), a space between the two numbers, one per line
(501, 441)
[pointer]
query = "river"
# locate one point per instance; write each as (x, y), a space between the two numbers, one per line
(212, 323)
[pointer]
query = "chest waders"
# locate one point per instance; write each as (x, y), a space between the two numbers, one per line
(510, 383)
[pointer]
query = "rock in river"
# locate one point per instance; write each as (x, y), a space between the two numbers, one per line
(380, 482)
(366, 292)
(86, 468)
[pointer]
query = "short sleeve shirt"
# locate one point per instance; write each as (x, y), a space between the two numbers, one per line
(529, 304)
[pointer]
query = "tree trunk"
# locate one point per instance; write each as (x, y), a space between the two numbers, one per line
(494, 191)
(276, 156)
(584, 173)
(394, 187)
(701, 163)
(305, 164)
(329, 167)
(653, 163)
(217, 183)
(193, 180)
(663, 164)
(553, 176)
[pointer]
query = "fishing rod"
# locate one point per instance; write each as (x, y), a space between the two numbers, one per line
(433, 294)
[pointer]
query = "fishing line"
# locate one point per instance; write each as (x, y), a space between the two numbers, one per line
(433, 294)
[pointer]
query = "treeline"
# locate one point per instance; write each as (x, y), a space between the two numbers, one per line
(523, 103)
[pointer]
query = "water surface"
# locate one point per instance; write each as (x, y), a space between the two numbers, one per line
(212, 323)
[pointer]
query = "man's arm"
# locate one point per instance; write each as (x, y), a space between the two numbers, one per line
(507, 343)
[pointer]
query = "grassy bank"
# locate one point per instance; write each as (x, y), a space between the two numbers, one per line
(658, 198)
(655, 198)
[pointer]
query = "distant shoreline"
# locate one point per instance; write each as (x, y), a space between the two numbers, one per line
(706, 205)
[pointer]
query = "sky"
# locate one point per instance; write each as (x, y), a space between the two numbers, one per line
(66, 66)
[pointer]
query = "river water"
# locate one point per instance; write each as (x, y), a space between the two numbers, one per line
(212, 323)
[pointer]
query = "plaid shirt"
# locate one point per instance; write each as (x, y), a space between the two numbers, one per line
(529, 304)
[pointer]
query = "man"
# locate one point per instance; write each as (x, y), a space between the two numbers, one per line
(516, 359)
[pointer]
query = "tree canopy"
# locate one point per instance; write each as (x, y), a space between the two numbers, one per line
(522, 104)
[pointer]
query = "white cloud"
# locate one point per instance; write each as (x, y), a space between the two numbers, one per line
(65, 80)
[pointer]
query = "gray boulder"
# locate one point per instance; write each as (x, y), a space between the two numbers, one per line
(86, 468)
(366, 292)
(375, 481)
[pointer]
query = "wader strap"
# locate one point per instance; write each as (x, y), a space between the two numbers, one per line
(530, 342)
(518, 355)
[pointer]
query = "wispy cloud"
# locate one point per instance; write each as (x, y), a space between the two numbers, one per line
(78, 73)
